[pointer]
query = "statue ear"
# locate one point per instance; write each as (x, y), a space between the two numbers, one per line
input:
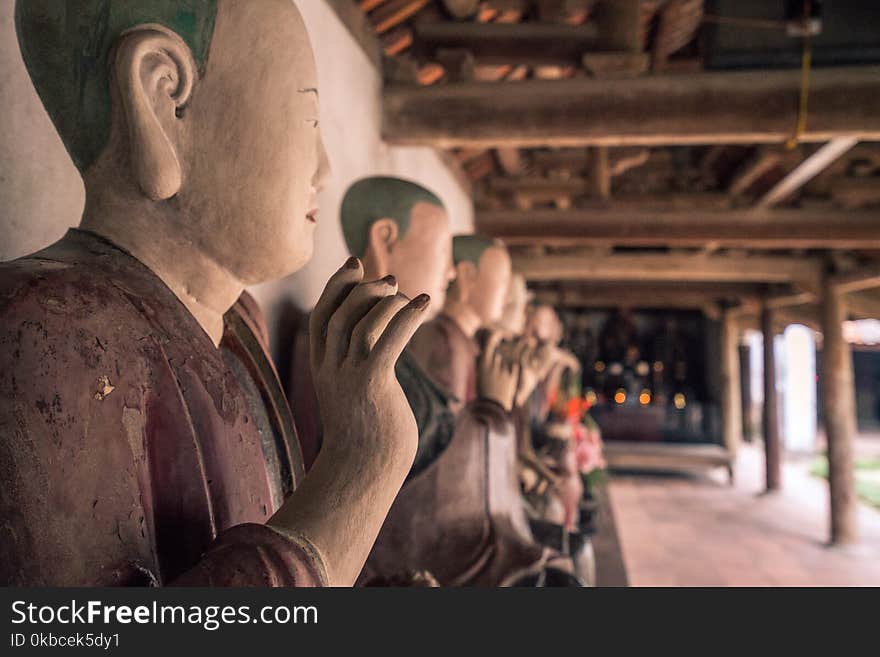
(383, 236)
(154, 72)
(465, 277)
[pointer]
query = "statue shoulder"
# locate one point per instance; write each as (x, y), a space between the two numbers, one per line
(62, 297)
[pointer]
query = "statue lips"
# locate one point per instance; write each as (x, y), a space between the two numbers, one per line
(312, 215)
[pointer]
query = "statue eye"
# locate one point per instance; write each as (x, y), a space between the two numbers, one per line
(314, 122)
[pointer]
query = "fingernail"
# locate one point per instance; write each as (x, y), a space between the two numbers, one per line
(421, 301)
(390, 280)
(351, 263)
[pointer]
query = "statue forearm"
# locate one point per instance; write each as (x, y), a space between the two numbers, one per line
(340, 506)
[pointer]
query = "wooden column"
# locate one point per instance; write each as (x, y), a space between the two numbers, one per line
(731, 402)
(838, 393)
(601, 175)
(772, 447)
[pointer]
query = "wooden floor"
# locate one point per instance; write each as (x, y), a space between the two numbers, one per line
(698, 531)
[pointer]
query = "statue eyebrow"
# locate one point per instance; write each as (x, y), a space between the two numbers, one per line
(306, 90)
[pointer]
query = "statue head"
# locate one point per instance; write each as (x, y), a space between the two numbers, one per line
(194, 120)
(543, 324)
(398, 227)
(516, 301)
(483, 271)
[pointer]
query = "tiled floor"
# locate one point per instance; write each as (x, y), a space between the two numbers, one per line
(680, 531)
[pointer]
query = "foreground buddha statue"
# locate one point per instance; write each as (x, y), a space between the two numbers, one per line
(144, 438)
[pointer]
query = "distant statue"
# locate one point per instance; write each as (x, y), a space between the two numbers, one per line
(145, 438)
(400, 229)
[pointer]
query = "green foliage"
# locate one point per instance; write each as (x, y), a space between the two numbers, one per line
(867, 477)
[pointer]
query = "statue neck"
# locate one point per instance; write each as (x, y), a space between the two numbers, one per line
(463, 315)
(202, 285)
(373, 269)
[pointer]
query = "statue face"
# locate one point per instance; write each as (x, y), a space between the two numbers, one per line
(422, 259)
(490, 287)
(544, 325)
(513, 316)
(253, 159)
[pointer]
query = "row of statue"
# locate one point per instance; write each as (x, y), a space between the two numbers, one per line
(146, 438)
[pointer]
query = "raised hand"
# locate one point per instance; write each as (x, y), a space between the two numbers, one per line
(536, 361)
(358, 331)
(497, 373)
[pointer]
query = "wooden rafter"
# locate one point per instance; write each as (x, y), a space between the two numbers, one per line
(807, 170)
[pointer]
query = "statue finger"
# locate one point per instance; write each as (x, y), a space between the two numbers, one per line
(335, 292)
(491, 347)
(358, 303)
(370, 328)
(398, 333)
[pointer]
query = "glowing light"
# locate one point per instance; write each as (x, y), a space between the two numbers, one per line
(679, 401)
(658, 366)
(599, 366)
(645, 398)
(591, 397)
(620, 396)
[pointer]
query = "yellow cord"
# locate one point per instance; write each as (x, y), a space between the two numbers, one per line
(806, 65)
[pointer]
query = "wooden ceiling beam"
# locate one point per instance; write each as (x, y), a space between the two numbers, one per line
(707, 108)
(805, 272)
(864, 278)
(863, 305)
(636, 295)
(647, 226)
(763, 161)
(534, 44)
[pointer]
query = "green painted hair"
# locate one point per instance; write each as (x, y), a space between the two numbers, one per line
(379, 197)
(65, 45)
(469, 248)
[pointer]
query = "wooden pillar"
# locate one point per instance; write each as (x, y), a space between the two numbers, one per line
(601, 174)
(838, 394)
(772, 447)
(731, 401)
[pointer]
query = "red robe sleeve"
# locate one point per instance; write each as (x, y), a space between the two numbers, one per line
(257, 555)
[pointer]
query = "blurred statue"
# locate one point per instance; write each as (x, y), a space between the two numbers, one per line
(145, 438)
(512, 323)
(437, 524)
(446, 347)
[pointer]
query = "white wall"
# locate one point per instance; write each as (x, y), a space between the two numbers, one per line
(41, 193)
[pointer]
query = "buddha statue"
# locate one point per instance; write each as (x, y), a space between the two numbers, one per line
(145, 438)
(447, 347)
(400, 229)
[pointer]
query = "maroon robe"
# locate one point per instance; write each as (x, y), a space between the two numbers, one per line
(462, 517)
(132, 450)
(449, 357)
